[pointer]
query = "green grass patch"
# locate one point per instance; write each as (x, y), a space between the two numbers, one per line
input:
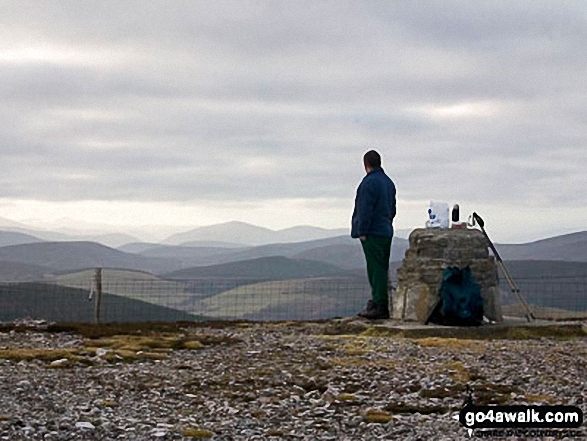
(194, 432)
(377, 416)
(161, 343)
(557, 331)
(90, 330)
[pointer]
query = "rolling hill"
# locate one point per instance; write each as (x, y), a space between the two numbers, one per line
(262, 268)
(137, 247)
(341, 251)
(346, 253)
(350, 256)
(23, 272)
(108, 239)
(67, 256)
(343, 256)
(162, 250)
(8, 238)
(62, 304)
(305, 299)
(545, 269)
(139, 286)
(25, 234)
(193, 256)
(45, 235)
(569, 247)
(563, 295)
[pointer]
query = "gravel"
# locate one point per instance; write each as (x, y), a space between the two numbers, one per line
(277, 381)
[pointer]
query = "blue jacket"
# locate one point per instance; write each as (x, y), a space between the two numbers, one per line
(374, 206)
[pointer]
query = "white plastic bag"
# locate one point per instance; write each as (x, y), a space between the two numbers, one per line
(438, 215)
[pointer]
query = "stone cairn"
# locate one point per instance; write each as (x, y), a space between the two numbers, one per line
(430, 252)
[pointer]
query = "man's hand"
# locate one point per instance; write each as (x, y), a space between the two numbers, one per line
(363, 238)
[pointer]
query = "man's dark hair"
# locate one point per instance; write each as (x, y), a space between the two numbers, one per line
(372, 159)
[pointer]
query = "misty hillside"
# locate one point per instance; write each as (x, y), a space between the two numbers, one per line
(157, 249)
(23, 272)
(290, 249)
(264, 268)
(536, 269)
(212, 244)
(569, 247)
(137, 247)
(295, 249)
(8, 238)
(246, 234)
(45, 235)
(302, 233)
(343, 256)
(15, 233)
(66, 256)
(31, 261)
(340, 251)
(350, 256)
(204, 256)
(109, 239)
(193, 256)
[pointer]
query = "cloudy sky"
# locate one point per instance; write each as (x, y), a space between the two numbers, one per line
(190, 113)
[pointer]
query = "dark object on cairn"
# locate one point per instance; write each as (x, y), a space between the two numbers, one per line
(455, 213)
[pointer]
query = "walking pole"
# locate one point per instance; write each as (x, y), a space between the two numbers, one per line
(98, 281)
(529, 314)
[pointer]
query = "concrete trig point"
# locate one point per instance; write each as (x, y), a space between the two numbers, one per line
(431, 251)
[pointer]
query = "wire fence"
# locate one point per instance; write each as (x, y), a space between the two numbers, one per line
(550, 298)
(132, 300)
(153, 299)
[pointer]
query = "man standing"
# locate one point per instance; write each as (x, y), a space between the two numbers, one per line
(372, 224)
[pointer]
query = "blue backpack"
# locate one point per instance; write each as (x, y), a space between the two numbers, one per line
(461, 303)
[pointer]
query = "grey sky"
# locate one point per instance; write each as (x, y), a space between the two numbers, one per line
(214, 105)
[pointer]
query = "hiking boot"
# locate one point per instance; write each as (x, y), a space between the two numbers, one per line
(368, 309)
(378, 312)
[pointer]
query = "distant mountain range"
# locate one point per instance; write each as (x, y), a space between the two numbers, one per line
(259, 273)
(14, 234)
(68, 256)
(219, 244)
(229, 234)
(341, 251)
(247, 234)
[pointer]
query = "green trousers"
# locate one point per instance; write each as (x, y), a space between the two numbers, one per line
(377, 250)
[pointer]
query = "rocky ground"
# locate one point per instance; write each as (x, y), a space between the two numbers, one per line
(248, 381)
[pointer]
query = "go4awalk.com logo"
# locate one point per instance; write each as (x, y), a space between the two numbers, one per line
(519, 420)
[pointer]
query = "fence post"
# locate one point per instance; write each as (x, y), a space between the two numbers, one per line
(98, 280)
